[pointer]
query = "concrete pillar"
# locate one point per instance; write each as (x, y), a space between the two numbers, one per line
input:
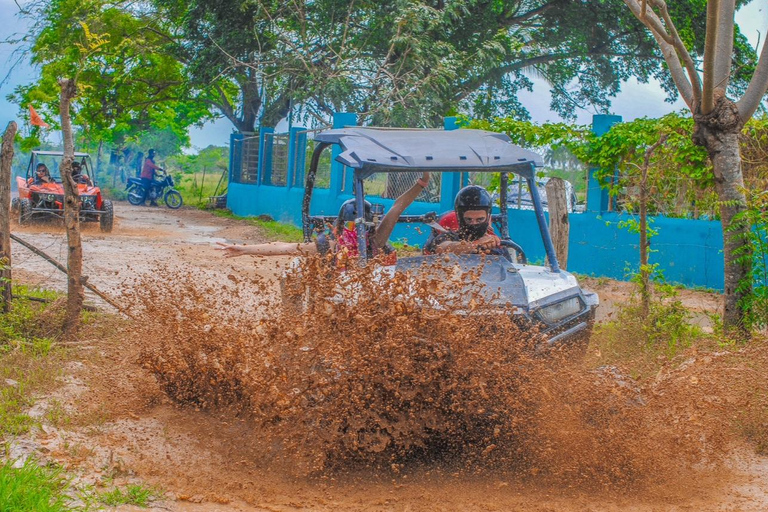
(265, 156)
(295, 153)
(597, 197)
(235, 156)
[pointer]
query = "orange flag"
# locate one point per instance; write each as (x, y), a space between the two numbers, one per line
(35, 119)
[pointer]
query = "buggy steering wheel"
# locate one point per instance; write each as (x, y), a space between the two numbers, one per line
(519, 250)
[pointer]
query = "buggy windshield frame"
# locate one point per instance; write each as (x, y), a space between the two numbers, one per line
(370, 150)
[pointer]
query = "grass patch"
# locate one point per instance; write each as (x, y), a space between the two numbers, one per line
(33, 488)
(273, 230)
(138, 495)
(196, 188)
(29, 361)
(647, 342)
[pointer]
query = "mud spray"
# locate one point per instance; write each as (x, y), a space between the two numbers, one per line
(344, 371)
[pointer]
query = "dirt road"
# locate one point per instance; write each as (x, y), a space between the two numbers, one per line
(120, 428)
(143, 239)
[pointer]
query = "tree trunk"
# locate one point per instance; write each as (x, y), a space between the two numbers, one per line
(645, 274)
(718, 132)
(6, 159)
(559, 227)
(75, 291)
(97, 172)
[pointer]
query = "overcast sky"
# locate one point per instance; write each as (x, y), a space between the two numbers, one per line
(635, 100)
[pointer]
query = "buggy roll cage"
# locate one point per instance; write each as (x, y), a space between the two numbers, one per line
(368, 150)
(83, 158)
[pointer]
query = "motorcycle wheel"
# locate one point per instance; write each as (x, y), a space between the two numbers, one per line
(135, 195)
(173, 200)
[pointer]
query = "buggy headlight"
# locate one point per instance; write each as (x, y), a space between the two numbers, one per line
(556, 312)
(50, 197)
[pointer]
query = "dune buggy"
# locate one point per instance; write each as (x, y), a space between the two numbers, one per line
(45, 199)
(545, 298)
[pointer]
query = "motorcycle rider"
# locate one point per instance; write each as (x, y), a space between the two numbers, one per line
(148, 176)
(472, 207)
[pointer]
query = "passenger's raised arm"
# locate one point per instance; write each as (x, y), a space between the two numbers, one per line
(387, 224)
(268, 249)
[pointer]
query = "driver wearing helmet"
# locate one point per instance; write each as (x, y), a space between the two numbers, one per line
(77, 174)
(471, 231)
(343, 243)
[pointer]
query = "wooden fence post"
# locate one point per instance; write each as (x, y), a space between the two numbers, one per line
(559, 227)
(6, 159)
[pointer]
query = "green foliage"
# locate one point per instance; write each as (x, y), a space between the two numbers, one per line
(200, 176)
(755, 252)
(33, 488)
(128, 83)
(136, 494)
(680, 177)
(666, 329)
(21, 329)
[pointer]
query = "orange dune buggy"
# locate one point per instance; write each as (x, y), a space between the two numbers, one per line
(40, 198)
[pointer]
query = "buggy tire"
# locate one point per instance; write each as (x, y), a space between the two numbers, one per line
(135, 195)
(25, 211)
(107, 219)
(173, 200)
(15, 205)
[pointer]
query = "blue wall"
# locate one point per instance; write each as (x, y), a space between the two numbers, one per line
(689, 251)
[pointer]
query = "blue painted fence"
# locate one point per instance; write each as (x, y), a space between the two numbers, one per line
(689, 251)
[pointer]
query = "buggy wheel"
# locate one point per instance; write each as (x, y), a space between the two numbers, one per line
(106, 219)
(25, 211)
(173, 200)
(135, 195)
(15, 205)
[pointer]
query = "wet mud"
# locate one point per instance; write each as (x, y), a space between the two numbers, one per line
(348, 372)
(331, 391)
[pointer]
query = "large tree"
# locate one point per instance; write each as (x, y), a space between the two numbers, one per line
(409, 62)
(718, 117)
(128, 84)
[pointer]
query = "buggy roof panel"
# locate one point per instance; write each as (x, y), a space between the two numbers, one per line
(57, 153)
(406, 150)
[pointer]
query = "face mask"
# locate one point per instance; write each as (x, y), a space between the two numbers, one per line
(473, 232)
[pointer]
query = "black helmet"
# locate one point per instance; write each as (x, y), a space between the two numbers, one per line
(469, 198)
(348, 211)
(151, 153)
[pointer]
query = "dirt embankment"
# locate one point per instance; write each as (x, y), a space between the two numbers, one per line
(241, 430)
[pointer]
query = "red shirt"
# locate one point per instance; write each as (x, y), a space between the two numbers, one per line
(148, 170)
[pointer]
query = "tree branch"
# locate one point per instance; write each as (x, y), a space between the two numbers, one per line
(757, 87)
(710, 50)
(724, 43)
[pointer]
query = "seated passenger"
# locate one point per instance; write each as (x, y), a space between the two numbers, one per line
(469, 230)
(42, 176)
(344, 242)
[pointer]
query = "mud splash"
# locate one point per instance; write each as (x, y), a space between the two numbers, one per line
(349, 370)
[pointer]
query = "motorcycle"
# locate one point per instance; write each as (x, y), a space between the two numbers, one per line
(162, 188)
